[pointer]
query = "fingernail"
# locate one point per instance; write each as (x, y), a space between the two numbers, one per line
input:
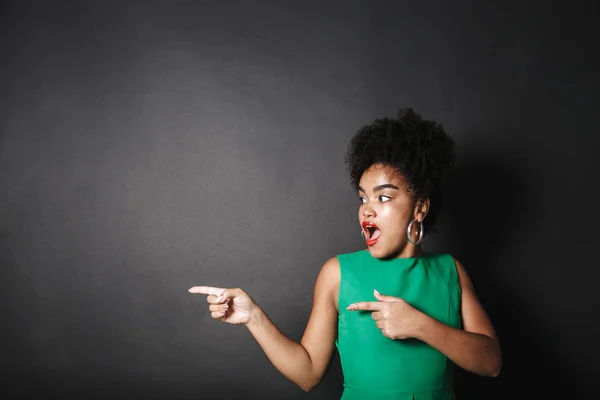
(350, 307)
(376, 292)
(219, 298)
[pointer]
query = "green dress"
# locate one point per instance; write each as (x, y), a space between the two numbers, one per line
(376, 367)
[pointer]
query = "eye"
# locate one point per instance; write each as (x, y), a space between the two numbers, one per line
(363, 200)
(383, 198)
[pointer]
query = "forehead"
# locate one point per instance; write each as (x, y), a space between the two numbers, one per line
(379, 174)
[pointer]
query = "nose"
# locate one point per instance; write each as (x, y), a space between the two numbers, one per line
(368, 211)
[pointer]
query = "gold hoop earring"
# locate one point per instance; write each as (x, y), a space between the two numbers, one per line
(409, 231)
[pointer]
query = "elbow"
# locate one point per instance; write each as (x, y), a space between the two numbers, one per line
(309, 385)
(494, 366)
(306, 388)
(490, 369)
(491, 363)
(495, 372)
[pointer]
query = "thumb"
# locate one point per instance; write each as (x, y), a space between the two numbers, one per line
(229, 293)
(383, 297)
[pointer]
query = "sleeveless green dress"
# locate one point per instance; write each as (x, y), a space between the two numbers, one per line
(376, 367)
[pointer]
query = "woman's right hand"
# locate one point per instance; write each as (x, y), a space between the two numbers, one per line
(233, 306)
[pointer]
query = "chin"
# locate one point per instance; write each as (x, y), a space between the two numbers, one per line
(383, 253)
(378, 253)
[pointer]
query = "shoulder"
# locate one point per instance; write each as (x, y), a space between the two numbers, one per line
(328, 282)
(444, 262)
(331, 266)
(463, 276)
(331, 271)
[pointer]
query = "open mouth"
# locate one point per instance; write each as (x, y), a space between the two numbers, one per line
(372, 233)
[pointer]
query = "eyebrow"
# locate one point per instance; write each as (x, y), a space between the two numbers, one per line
(380, 187)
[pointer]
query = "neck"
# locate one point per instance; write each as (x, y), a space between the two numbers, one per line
(410, 251)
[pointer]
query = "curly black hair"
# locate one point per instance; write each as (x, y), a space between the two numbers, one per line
(420, 150)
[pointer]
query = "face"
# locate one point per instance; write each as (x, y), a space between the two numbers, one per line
(385, 211)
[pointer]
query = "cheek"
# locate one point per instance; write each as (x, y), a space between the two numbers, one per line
(396, 218)
(393, 213)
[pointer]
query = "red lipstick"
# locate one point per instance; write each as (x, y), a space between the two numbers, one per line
(372, 232)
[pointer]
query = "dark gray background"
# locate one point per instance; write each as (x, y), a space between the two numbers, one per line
(150, 146)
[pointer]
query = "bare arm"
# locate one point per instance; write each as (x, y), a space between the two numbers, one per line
(306, 362)
(303, 363)
(474, 348)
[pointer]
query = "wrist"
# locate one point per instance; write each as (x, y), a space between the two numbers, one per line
(255, 318)
(422, 326)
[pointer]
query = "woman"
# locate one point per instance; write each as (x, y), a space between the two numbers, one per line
(399, 317)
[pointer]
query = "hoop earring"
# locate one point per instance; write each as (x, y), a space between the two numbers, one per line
(362, 233)
(409, 231)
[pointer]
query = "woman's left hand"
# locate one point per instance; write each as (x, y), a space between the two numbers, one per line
(394, 316)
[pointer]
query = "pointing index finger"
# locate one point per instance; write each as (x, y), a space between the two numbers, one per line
(206, 290)
(365, 305)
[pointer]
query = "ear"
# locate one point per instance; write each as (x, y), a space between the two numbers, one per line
(421, 209)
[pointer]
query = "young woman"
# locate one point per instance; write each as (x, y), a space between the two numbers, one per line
(399, 317)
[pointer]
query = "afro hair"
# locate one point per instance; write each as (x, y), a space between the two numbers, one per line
(419, 149)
